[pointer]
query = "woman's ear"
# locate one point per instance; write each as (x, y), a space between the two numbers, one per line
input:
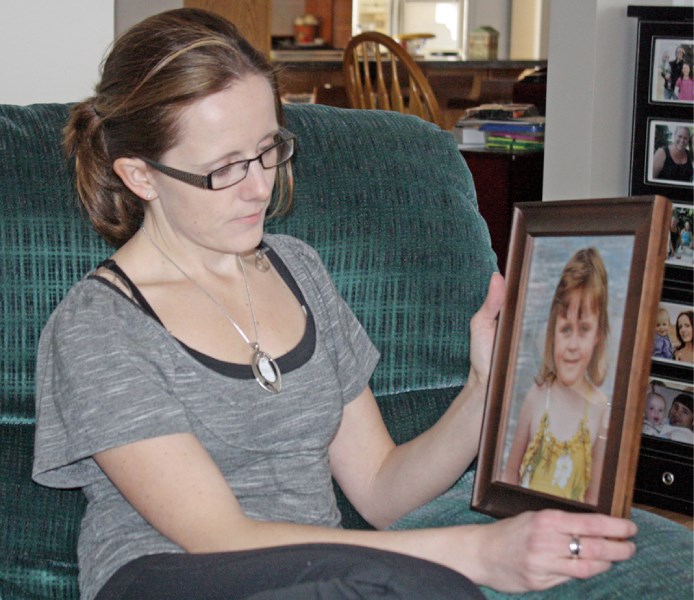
(135, 175)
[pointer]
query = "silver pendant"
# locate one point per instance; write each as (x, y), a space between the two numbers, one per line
(261, 261)
(266, 371)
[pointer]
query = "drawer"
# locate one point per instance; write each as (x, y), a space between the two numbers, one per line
(665, 482)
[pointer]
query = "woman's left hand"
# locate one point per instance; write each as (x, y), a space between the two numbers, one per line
(483, 329)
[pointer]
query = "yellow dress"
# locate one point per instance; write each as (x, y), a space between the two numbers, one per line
(561, 469)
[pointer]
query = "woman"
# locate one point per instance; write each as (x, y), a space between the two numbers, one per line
(204, 384)
(672, 73)
(683, 329)
(673, 162)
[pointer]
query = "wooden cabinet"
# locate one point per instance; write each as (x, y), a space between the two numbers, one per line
(503, 178)
(252, 17)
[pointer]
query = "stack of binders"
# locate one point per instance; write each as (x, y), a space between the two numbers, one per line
(526, 134)
(501, 126)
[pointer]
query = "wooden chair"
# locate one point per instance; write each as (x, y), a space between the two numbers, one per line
(380, 74)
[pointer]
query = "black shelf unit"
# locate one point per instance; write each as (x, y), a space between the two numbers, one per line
(665, 471)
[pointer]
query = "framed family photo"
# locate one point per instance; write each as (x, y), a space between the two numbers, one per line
(572, 356)
(662, 152)
(669, 412)
(666, 140)
(671, 70)
(674, 324)
(680, 252)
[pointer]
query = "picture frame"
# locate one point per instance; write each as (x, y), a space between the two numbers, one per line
(661, 31)
(670, 318)
(627, 236)
(662, 421)
(666, 51)
(663, 134)
(680, 252)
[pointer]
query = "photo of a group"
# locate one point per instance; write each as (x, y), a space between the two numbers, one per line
(671, 76)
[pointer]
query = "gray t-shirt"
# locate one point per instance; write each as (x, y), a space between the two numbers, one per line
(109, 374)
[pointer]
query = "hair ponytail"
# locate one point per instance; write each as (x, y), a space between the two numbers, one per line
(114, 211)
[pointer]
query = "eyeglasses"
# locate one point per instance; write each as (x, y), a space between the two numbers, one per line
(277, 154)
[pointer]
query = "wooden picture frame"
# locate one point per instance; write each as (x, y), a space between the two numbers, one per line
(628, 236)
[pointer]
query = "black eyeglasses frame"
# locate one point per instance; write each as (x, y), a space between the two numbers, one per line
(205, 181)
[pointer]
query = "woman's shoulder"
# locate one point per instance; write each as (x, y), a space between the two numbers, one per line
(94, 308)
(286, 244)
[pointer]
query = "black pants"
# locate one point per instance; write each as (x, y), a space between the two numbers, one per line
(302, 572)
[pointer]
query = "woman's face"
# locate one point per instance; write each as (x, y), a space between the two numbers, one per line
(685, 70)
(684, 327)
(681, 138)
(235, 124)
(575, 338)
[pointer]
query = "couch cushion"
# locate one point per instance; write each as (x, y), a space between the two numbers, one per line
(389, 203)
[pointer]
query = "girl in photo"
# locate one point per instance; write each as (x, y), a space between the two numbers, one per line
(560, 438)
(684, 87)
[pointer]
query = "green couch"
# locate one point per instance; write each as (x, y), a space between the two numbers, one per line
(390, 205)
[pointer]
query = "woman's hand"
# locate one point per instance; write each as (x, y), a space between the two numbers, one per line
(483, 329)
(532, 550)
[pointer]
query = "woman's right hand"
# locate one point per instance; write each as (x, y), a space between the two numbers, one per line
(531, 551)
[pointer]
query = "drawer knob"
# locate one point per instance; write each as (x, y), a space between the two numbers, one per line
(668, 478)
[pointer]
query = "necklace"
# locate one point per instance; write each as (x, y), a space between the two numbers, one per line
(265, 369)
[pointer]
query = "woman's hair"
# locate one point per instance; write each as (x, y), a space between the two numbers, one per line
(585, 272)
(688, 314)
(153, 71)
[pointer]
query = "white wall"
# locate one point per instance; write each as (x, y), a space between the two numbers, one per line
(51, 52)
(130, 12)
(590, 87)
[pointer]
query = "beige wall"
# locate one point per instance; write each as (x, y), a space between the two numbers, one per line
(51, 54)
(592, 58)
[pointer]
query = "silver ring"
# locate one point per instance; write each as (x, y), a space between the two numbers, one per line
(575, 547)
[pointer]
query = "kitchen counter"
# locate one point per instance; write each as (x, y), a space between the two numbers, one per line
(328, 59)
(458, 84)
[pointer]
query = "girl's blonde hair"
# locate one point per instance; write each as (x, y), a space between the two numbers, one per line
(585, 272)
(155, 70)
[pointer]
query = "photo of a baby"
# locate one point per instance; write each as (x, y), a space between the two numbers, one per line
(669, 412)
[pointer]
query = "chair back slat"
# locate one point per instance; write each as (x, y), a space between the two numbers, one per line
(379, 73)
